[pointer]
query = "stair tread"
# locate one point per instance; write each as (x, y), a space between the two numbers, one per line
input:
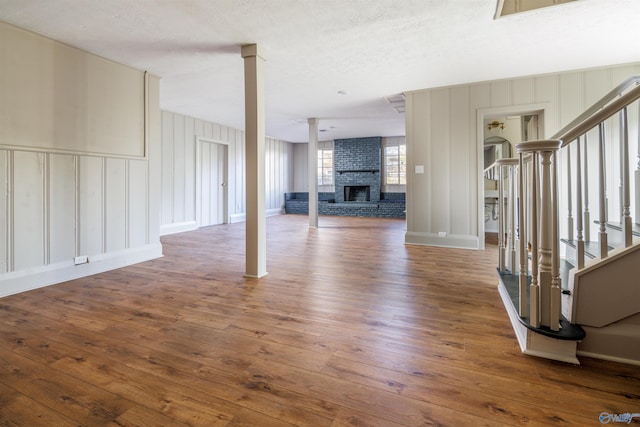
(591, 249)
(635, 228)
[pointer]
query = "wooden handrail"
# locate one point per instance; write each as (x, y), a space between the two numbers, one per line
(540, 145)
(598, 117)
(617, 91)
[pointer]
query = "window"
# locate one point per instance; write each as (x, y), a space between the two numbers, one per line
(325, 166)
(395, 164)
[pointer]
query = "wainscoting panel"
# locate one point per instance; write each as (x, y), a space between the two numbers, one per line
(523, 91)
(186, 210)
(179, 169)
(168, 161)
(28, 228)
(62, 211)
(115, 206)
(5, 210)
(138, 207)
(501, 93)
(238, 173)
(440, 161)
(54, 207)
(91, 205)
(462, 199)
(570, 87)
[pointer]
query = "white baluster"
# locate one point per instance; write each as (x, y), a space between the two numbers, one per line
(513, 266)
(534, 288)
(522, 235)
(604, 173)
(501, 243)
(602, 237)
(579, 214)
(556, 292)
(586, 213)
(637, 173)
(569, 198)
(626, 192)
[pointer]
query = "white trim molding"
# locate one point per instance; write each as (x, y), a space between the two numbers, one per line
(38, 277)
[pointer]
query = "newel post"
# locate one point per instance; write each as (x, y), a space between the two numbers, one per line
(544, 302)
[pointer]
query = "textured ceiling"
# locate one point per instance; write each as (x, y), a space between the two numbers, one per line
(315, 48)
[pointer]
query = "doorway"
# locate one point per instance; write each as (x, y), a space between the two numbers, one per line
(212, 176)
(501, 130)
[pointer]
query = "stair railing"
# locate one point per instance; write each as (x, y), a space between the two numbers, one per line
(504, 171)
(539, 183)
(579, 134)
(544, 290)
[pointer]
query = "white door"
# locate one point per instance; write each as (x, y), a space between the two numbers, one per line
(212, 195)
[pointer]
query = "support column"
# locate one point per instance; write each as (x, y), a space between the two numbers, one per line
(313, 172)
(256, 225)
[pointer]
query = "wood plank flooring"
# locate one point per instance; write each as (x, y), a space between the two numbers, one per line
(350, 328)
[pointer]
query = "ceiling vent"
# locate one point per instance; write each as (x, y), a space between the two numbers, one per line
(397, 102)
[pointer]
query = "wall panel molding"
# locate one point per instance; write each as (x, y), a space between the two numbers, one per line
(73, 205)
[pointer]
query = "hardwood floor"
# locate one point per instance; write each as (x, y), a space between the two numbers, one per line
(350, 328)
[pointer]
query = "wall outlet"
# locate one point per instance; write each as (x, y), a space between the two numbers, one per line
(442, 234)
(82, 259)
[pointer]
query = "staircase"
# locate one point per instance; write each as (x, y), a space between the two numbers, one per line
(570, 282)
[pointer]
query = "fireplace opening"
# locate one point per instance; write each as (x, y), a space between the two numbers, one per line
(356, 193)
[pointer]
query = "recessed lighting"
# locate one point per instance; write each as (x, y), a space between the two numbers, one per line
(343, 92)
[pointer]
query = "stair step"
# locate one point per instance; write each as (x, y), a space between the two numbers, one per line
(591, 249)
(635, 228)
(568, 331)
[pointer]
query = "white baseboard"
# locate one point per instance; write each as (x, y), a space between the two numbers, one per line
(435, 239)
(233, 218)
(178, 227)
(34, 278)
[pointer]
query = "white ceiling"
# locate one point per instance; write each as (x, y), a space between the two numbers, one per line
(315, 48)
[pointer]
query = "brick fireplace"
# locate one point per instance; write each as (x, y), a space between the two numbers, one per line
(357, 180)
(357, 169)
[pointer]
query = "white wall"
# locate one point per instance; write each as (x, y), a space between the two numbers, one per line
(444, 134)
(84, 103)
(178, 193)
(300, 168)
(59, 201)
